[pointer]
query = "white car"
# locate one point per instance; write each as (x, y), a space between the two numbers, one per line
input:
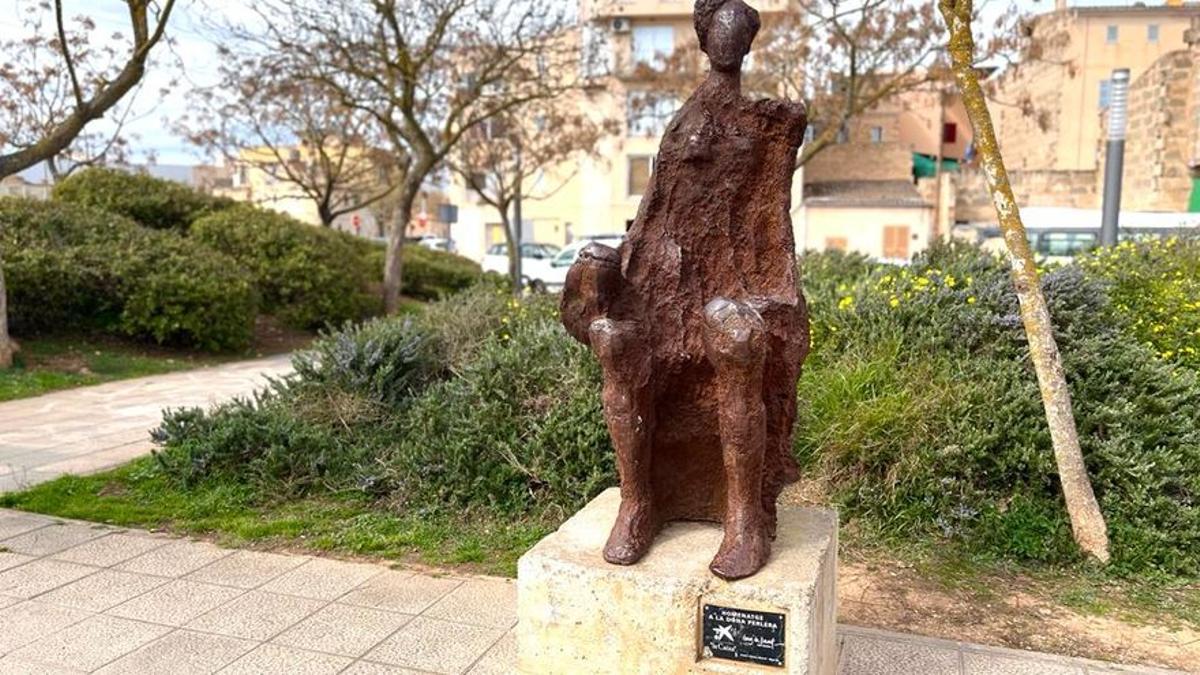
(562, 262)
(535, 262)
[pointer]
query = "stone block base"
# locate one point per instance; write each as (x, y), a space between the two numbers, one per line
(579, 615)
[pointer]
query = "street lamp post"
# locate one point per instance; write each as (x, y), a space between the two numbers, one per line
(1114, 164)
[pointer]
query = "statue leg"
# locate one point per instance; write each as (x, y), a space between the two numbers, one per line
(629, 411)
(735, 341)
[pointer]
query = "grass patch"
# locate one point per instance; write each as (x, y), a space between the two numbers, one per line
(138, 495)
(47, 364)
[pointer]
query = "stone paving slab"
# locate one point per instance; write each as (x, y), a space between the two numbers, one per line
(91, 429)
(91, 598)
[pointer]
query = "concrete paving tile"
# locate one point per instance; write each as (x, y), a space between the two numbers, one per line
(23, 479)
(322, 579)
(39, 576)
(25, 622)
(90, 643)
(13, 523)
(483, 602)
(869, 656)
(257, 615)
(102, 590)
(343, 629)
(175, 559)
(271, 659)
(176, 603)
(9, 560)
(5, 601)
(981, 663)
(435, 645)
(401, 592)
(11, 666)
(371, 668)
(501, 659)
(182, 652)
(54, 538)
(247, 569)
(111, 550)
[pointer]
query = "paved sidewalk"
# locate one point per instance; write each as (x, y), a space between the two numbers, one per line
(79, 597)
(89, 429)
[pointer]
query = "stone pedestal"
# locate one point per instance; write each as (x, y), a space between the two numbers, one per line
(580, 615)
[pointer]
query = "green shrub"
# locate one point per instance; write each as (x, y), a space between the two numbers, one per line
(1155, 288)
(922, 411)
(70, 266)
(309, 276)
(152, 202)
(919, 414)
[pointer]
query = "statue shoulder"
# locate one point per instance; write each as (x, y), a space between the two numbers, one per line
(791, 116)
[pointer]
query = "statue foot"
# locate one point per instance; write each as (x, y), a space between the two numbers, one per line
(742, 553)
(631, 534)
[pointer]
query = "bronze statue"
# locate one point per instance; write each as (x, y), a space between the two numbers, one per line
(697, 319)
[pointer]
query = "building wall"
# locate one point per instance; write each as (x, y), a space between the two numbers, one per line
(861, 229)
(1063, 88)
(1075, 189)
(1160, 139)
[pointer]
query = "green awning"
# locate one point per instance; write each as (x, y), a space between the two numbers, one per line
(925, 166)
(1194, 202)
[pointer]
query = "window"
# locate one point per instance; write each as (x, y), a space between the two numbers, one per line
(876, 134)
(652, 45)
(1112, 34)
(596, 54)
(1105, 93)
(1152, 33)
(639, 174)
(843, 135)
(647, 113)
(949, 132)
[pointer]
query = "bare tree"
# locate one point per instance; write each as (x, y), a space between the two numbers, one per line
(261, 116)
(843, 58)
(523, 155)
(53, 84)
(426, 71)
(1087, 521)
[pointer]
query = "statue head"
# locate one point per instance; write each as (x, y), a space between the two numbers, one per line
(726, 29)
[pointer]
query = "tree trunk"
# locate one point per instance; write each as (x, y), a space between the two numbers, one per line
(1087, 521)
(393, 266)
(6, 344)
(514, 253)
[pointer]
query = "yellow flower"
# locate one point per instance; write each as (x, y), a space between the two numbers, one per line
(846, 302)
(971, 300)
(894, 302)
(950, 281)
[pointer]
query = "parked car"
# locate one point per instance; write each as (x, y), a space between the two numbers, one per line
(436, 243)
(535, 262)
(557, 275)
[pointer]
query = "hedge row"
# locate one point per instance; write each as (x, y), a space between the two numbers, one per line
(149, 201)
(72, 265)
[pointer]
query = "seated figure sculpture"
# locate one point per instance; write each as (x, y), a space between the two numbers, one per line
(696, 318)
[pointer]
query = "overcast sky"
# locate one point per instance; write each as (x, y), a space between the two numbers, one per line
(195, 48)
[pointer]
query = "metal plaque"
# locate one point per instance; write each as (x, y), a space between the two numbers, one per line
(742, 635)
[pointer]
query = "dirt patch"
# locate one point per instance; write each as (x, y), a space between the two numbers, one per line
(1009, 612)
(273, 337)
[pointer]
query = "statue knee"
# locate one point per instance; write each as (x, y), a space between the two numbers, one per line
(734, 334)
(591, 284)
